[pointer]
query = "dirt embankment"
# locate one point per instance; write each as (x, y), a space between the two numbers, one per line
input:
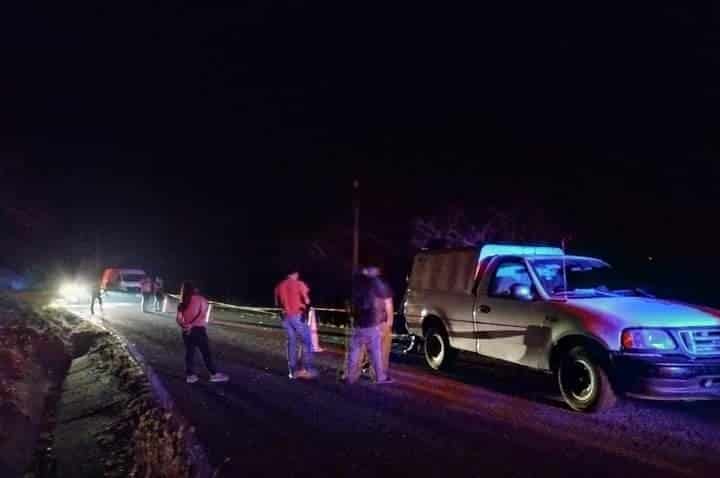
(33, 359)
(73, 402)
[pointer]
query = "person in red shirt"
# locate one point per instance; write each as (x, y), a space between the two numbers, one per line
(192, 317)
(293, 296)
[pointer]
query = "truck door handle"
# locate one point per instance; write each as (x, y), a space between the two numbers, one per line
(485, 309)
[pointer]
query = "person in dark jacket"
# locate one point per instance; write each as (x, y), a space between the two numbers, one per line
(159, 291)
(370, 298)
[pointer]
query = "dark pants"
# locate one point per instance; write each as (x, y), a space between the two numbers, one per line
(147, 300)
(197, 338)
(159, 296)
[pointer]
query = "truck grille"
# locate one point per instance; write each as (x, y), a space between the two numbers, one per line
(702, 341)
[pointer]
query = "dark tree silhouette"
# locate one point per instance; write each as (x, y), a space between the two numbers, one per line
(456, 227)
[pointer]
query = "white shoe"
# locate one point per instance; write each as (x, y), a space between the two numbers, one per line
(219, 377)
(191, 378)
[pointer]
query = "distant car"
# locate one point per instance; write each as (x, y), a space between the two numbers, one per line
(124, 280)
(573, 316)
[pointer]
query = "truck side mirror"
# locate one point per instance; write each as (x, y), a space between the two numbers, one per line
(522, 292)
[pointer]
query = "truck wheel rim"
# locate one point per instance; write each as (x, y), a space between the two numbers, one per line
(579, 380)
(434, 348)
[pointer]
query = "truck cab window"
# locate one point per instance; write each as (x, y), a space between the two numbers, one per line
(507, 274)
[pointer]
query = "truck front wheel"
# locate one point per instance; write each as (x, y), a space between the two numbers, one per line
(584, 383)
(439, 355)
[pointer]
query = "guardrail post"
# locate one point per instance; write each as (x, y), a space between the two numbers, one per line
(312, 323)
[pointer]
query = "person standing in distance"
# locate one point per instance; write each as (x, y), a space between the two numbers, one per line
(192, 318)
(293, 296)
(159, 291)
(146, 289)
(384, 306)
(96, 296)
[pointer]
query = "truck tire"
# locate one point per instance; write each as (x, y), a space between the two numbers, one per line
(584, 382)
(439, 355)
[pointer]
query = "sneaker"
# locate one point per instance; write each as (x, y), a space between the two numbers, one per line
(219, 377)
(191, 378)
(386, 381)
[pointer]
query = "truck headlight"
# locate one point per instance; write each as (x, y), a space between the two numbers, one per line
(647, 339)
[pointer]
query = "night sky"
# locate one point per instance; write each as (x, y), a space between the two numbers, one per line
(214, 141)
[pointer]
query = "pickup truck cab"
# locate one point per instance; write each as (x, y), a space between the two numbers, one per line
(569, 315)
(124, 280)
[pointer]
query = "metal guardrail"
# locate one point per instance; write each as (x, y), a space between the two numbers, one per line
(260, 309)
(405, 348)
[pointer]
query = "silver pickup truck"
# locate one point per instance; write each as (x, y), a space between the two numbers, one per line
(572, 316)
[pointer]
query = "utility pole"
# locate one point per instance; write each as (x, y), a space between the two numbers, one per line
(356, 225)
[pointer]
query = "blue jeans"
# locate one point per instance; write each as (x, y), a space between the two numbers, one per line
(297, 329)
(362, 338)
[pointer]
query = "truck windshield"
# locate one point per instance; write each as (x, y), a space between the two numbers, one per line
(132, 277)
(586, 278)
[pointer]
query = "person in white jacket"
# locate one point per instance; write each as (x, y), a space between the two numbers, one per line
(146, 290)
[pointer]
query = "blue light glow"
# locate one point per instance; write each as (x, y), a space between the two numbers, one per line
(506, 249)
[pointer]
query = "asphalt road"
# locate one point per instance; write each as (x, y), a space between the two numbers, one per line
(479, 420)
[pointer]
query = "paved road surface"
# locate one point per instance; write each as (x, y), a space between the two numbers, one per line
(477, 421)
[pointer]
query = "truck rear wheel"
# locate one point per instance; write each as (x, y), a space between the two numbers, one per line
(584, 383)
(439, 355)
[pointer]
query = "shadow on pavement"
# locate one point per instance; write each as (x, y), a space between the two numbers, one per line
(502, 378)
(469, 370)
(499, 377)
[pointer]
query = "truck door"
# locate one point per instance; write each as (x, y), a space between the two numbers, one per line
(507, 328)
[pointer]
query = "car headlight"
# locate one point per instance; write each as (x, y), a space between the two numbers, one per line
(647, 339)
(73, 291)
